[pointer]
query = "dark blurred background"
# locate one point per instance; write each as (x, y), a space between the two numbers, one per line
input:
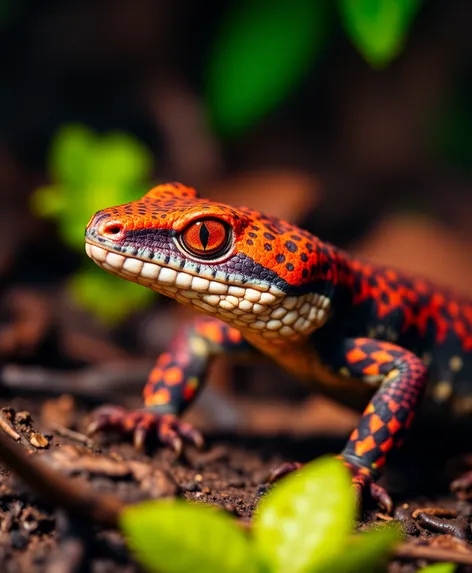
(350, 118)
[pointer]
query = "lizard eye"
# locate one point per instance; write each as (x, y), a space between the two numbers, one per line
(206, 237)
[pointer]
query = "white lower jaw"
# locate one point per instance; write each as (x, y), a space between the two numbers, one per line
(270, 313)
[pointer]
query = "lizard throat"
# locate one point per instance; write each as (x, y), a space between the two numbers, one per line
(266, 311)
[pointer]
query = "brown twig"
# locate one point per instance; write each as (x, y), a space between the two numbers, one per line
(96, 383)
(71, 434)
(413, 551)
(79, 499)
(436, 511)
(5, 426)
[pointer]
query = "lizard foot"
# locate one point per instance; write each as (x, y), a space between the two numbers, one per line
(169, 429)
(361, 482)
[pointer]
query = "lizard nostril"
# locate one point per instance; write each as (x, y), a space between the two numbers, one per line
(112, 228)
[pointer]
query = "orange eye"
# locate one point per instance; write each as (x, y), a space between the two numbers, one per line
(206, 237)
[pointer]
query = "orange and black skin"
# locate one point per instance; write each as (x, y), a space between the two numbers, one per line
(388, 338)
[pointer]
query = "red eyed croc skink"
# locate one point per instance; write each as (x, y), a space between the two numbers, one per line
(374, 338)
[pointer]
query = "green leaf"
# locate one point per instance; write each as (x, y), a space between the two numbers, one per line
(439, 568)
(307, 518)
(173, 536)
(72, 150)
(121, 160)
(365, 552)
(378, 27)
(48, 201)
(109, 297)
(261, 52)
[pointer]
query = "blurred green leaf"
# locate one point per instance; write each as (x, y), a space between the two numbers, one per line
(120, 160)
(173, 536)
(48, 201)
(365, 552)
(72, 150)
(109, 297)
(378, 27)
(307, 518)
(261, 52)
(439, 568)
(90, 172)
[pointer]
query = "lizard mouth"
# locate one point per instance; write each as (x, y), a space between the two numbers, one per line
(270, 311)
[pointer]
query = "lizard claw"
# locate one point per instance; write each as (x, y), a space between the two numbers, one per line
(361, 482)
(367, 489)
(281, 471)
(170, 430)
(381, 498)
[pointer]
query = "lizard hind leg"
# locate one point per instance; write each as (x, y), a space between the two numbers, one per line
(389, 414)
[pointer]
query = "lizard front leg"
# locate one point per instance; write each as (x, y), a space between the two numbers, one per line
(400, 378)
(173, 384)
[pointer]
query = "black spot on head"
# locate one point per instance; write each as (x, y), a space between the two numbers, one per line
(163, 216)
(255, 227)
(289, 267)
(296, 238)
(304, 273)
(269, 236)
(304, 257)
(309, 247)
(292, 247)
(253, 235)
(267, 247)
(280, 258)
(250, 242)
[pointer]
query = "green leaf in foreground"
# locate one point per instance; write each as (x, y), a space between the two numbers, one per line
(365, 552)
(176, 537)
(307, 518)
(378, 27)
(439, 568)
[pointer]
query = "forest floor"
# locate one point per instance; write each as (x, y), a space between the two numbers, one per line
(228, 472)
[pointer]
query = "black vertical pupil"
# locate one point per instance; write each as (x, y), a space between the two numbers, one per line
(204, 235)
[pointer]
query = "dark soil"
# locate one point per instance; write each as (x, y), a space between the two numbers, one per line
(228, 472)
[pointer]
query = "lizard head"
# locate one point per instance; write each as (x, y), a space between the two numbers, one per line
(253, 271)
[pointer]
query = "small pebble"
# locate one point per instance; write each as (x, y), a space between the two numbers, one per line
(18, 540)
(38, 440)
(191, 486)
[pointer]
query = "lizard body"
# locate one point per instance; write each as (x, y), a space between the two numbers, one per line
(375, 338)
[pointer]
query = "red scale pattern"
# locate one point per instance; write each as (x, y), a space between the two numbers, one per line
(391, 411)
(421, 302)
